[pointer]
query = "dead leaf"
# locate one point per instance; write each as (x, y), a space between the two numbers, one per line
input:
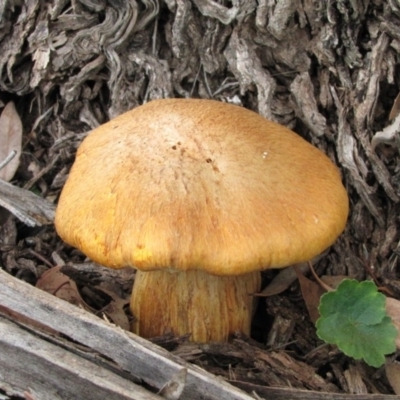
(10, 140)
(115, 309)
(393, 375)
(55, 282)
(393, 310)
(333, 281)
(311, 292)
(282, 281)
(286, 277)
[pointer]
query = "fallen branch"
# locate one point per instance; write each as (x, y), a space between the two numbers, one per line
(143, 360)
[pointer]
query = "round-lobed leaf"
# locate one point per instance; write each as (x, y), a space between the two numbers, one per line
(354, 318)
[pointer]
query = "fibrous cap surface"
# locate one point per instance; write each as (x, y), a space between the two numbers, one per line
(200, 184)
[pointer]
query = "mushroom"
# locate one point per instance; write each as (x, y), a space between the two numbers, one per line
(199, 196)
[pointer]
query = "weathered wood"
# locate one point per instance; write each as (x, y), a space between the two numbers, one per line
(295, 394)
(25, 205)
(47, 371)
(131, 353)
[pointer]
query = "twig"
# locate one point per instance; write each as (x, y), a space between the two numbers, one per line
(8, 159)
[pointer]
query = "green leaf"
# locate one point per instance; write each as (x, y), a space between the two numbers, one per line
(354, 318)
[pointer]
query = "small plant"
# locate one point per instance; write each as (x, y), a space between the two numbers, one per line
(354, 318)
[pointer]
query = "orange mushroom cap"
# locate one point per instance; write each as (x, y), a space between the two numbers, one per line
(200, 184)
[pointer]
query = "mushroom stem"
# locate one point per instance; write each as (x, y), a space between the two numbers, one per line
(208, 307)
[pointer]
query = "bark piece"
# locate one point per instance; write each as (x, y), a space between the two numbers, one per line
(348, 155)
(303, 92)
(214, 10)
(143, 360)
(27, 359)
(280, 16)
(25, 205)
(248, 69)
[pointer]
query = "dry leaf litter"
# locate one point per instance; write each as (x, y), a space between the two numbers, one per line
(328, 70)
